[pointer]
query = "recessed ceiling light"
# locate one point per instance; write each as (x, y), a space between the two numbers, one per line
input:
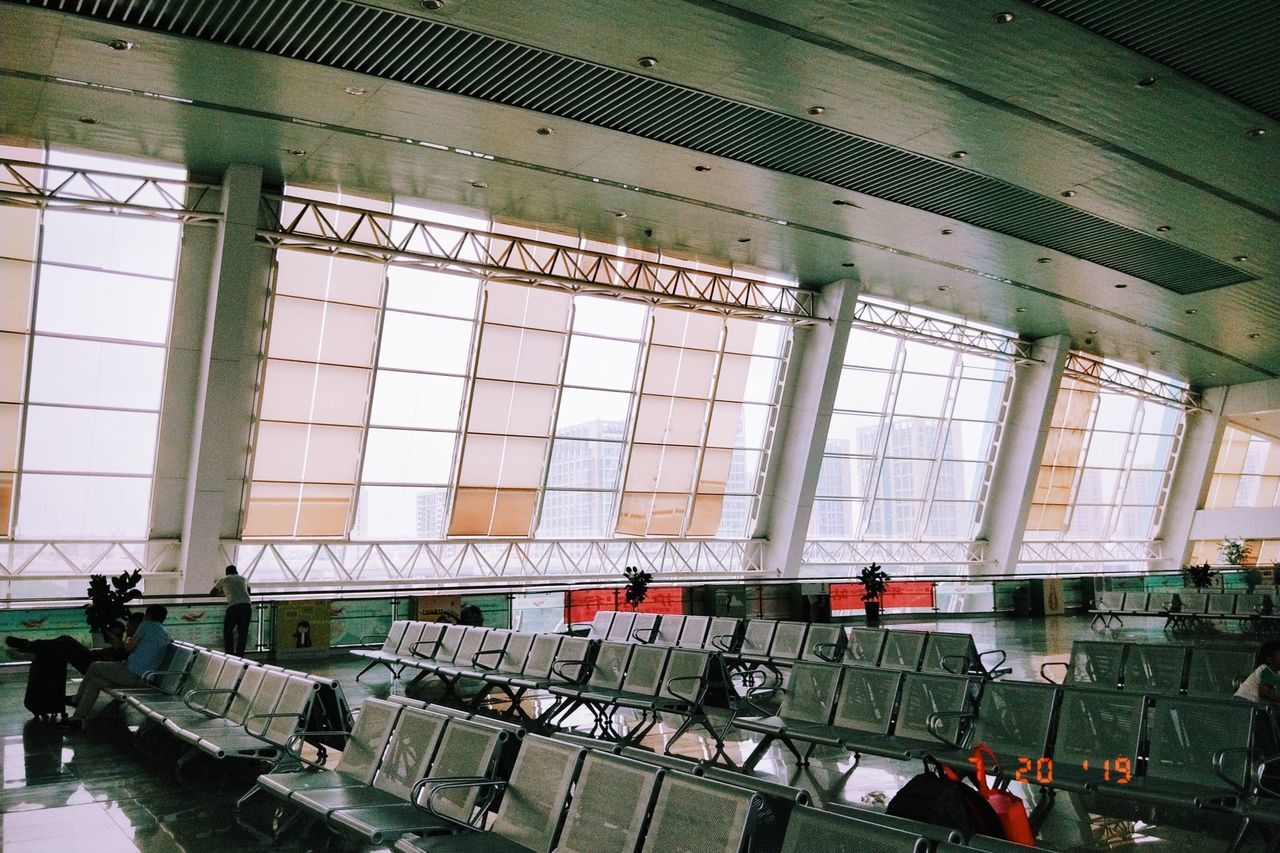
(1003, 17)
(431, 5)
(945, 231)
(1253, 336)
(1163, 229)
(545, 131)
(1239, 259)
(620, 214)
(355, 90)
(1043, 260)
(1068, 193)
(1255, 132)
(480, 185)
(1192, 311)
(88, 120)
(1146, 82)
(702, 168)
(297, 152)
(744, 239)
(120, 44)
(816, 110)
(1121, 286)
(647, 61)
(1021, 310)
(959, 155)
(943, 288)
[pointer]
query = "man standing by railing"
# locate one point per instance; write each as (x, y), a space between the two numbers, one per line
(235, 624)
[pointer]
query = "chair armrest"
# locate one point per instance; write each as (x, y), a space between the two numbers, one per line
(1065, 667)
(493, 786)
(475, 659)
(372, 640)
(584, 669)
(699, 694)
(160, 673)
(413, 648)
(749, 677)
(994, 671)
(186, 699)
(1220, 770)
(723, 642)
(934, 724)
(964, 661)
(829, 657)
(754, 693)
(291, 745)
(266, 717)
(652, 632)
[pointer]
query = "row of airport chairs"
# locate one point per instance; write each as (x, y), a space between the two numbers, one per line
(1111, 606)
(438, 781)
(228, 707)
(1162, 668)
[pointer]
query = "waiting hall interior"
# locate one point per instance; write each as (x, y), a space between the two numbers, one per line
(678, 426)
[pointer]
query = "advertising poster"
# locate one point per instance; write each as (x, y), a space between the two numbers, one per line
(302, 628)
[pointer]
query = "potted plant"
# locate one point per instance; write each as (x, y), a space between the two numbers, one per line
(109, 600)
(637, 589)
(874, 582)
(1200, 577)
(1235, 551)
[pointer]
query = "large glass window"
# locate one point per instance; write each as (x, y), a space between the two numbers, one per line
(1247, 472)
(85, 304)
(912, 439)
(1106, 463)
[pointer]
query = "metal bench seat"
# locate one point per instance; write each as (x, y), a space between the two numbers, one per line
(1015, 720)
(812, 830)
(808, 702)
(1099, 737)
(923, 696)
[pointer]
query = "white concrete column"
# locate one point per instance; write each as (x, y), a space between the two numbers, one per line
(804, 418)
(1190, 482)
(1026, 429)
(222, 403)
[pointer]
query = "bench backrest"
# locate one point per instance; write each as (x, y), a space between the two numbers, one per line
(514, 653)
(533, 803)
(177, 662)
(812, 830)
(611, 803)
(1192, 602)
(693, 633)
(1016, 720)
(867, 699)
(204, 671)
(1136, 602)
(645, 670)
(903, 650)
(1221, 603)
(1161, 602)
(925, 694)
(412, 634)
(824, 643)
(369, 738)
(542, 654)
(669, 628)
(1097, 726)
(757, 637)
(250, 683)
(724, 634)
(620, 630)
(409, 751)
(1110, 601)
(1185, 734)
(644, 628)
(291, 712)
(266, 697)
(788, 641)
(472, 641)
(1250, 603)
(1155, 668)
(600, 624)
(1218, 672)
(610, 666)
(467, 748)
(394, 635)
(724, 822)
(1095, 662)
(864, 646)
(686, 676)
(573, 660)
(490, 648)
(810, 695)
(450, 641)
(953, 653)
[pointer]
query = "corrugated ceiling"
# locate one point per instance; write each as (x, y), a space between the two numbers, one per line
(426, 53)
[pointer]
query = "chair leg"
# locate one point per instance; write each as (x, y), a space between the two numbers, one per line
(758, 753)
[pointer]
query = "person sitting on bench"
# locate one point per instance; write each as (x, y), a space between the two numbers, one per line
(146, 651)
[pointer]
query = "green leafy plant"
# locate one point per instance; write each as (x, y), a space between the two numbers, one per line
(1199, 577)
(109, 601)
(874, 582)
(637, 589)
(1235, 551)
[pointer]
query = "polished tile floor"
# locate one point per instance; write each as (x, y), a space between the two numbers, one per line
(103, 790)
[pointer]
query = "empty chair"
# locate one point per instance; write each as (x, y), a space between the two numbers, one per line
(1099, 733)
(1192, 602)
(645, 628)
(725, 634)
(756, 639)
(386, 651)
(1252, 604)
(1220, 603)
(1136, 602)
(600, 624)
(812, 830)
(693, 633)
(724, 822)
(824, 643)
(668, 631)
(605, 678)
(903, 650)
(1015, 719)
(1093, 662)
(956, 654)
(611, 802)
(1161, 602)
(1107, 609)
(808, 701)
(533, 802)
(1155, 668)
(788, 641)
(620, 630)
(924, 697)
(1217, 673)
(639, 686)
(864, 645)
(865, 707)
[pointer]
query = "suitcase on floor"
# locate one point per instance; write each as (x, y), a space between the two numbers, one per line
(47, 686)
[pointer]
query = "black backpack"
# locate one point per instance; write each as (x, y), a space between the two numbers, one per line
(935, 799)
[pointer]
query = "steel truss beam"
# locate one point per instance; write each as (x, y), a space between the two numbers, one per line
(287, 563)
(323, 227)
(65, 188)
(51, 560)
(1093, 370)
(843, 553)
(905, 323)
(1090, 552)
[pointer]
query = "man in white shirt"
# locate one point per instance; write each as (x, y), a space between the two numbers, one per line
(1263, 684)
(235, 624)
